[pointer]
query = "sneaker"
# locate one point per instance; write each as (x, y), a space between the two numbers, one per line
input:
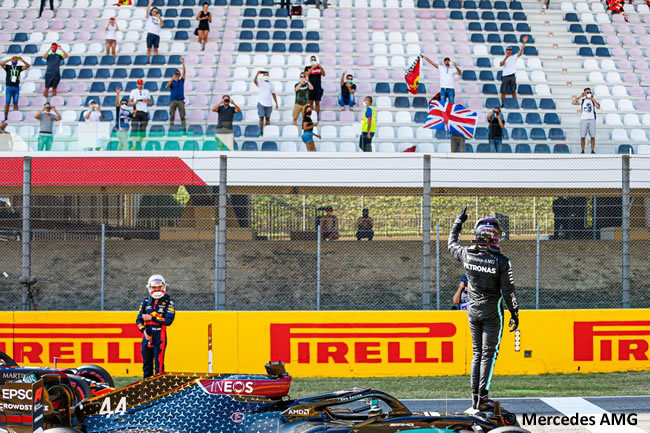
(475, 400)
(485, 404)
(582, 151)
(593, 151)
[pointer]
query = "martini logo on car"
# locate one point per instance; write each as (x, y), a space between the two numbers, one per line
(615, 340)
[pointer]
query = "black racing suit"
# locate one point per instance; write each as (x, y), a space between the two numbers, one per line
(490, 279)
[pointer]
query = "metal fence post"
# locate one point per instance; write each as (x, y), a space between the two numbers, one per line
(221, 232)
(216, 266)
(318, 245)
(426, 233)
(594, 224)
(537, 265)
(27, 280)
(437, 264)
(625, 229)
(103, 267)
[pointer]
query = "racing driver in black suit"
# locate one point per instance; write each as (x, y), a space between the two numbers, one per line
(489, 275)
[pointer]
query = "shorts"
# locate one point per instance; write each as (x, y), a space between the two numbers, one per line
(587, 126)
(52, 80)
(316, 94)
(12, 95)
(263, 111)
(297, 110)
(307, 136)
(509, 82)
(153, 41)
(111, 41)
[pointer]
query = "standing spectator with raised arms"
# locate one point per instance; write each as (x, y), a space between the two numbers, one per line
(176, 88)
(588, 105)
(315, 72)
(13, 80)
(302, 89)
(204, 18)
(140, 98)
(348, 89)
(508, 76)
(265, 98)
(54, 58)
(111, 36)
(447, 82)
(153, 25)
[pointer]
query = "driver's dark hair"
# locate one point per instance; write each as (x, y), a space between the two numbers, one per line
(587, 88)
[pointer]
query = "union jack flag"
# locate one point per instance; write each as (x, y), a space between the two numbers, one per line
(451, 117)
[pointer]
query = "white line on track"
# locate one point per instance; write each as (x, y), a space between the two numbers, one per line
(571, 405)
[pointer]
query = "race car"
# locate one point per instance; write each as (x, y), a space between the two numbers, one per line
(241, 403)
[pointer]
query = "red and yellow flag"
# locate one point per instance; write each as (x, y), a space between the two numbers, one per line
(412, 77)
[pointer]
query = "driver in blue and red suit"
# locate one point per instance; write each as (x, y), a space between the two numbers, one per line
(155, 315)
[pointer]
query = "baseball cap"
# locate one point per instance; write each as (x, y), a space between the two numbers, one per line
(92, 101)
(511, 48)
(139, 82)
(112, 19)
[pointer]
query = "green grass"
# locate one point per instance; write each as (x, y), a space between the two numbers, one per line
(548, 385)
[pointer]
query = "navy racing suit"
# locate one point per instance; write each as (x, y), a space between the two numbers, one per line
(162, 313)
(489, 280)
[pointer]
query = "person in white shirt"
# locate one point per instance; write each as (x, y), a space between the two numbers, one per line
(111, 36)
(447, 82)
(94, 112)
(265, 98)
(588, 105)
(153, 26)
(508, 76)
(140, 98)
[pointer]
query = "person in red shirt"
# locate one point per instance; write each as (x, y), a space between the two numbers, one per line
(315, 72)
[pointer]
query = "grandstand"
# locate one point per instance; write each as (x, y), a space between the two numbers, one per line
(572, 45)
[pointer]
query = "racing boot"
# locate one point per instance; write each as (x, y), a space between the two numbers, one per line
(485, 404)
(475, 400)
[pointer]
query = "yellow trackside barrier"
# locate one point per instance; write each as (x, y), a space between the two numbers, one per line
(334, 344)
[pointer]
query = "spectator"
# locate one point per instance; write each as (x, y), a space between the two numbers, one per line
(265, 98)
(40, 11)
(47, 120)
(111, 36)
(329, 225)
(588, 105)
(176, 88)
(6, 141)
(294, 9)
(308, 129)
(364, 226)
(315, 72)
(154, 24)
(54, 58)
(302, 89)
(368, 125)
(226, 111)
(457, 143)
(447, 82)
(94, 112)
(204, 18)
(140, 98)
(13, 80)
(123, 116)
(508, 76)
(461, 298)
(495, 133)
(348, 89)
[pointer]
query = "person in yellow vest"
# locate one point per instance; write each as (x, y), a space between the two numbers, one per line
(368, 125)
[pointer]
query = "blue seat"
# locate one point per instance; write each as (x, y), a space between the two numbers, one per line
(137, 73)
(119, 73)
(85, 74)
(505, 148)
(471, 15)
(107, 61)
(602, 52)
(551, 119)
(442, 134)
(297, 24)
(103, 73)
(420, 102)
(279, 47)
(295, 35)
(68, 74)
(556, 134)
(236, 3)
(402, 102)
(519, 16)
(252, 131)
(248, 146)
(533, 119)
(423, 4)
(172, 145)
(469, 148)
(492, 103)
(151, 86)
(269, 146)
(475, 26)
(469, 75)
(542, 148)
(537, 134)
(184, 24)
(439, 4)
(481, 133)
(494, 38)
(248, 24)
(497, 50)
(519, 134)
(525, 89)
(154, 73)
(250, 12)
(113, 85)
(176, 131)
(122, 60)
(469, 4)
(30, 49)
(140, 60)
(280, 24)
(522, 148)
(152, 145)
(281, 13)
(592, 28)
(575, 28)
(264, 24)
(171, 13)
(21, 37)
(181, 35)
(245, 47)
(382, 88)
(625, 149)
(489, 89)
(486, 76)
(546, 104)
(163, 101)
(71, 61)
(173, 3)
(157, 131)
(130, 85)
(506, 27)
(506, 136)
(523, 27)
(97, 87)
(477, 38)
(515, 118)
(597, 40)
(511, 104)
(484, 4)
(399, 88)
(483, 62)
(279, 35)
(453, 4)
(88, 100)
(490, 27)
(312, 36)
(561, 148)
(529, 50)
(489, 15)
(483, 148)
(261, 47)
(580, 40)
(500, 5)
(516, 6)
(503, 16)
(160, 116)
(91, 61)
(420, 117)
(186, 13)
(295, 47)
(108, 115)
(571, 17)
(191, 146)
(236, 129)
(174, 59)
(266, 12)
(157, 59)
(456, 15)
(312, 47)
(195, 130)
(169, 24)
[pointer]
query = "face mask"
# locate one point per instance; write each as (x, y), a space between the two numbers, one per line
(314, 62)
(349, 80)
(123, 106)
(265, 78)
(588, 95)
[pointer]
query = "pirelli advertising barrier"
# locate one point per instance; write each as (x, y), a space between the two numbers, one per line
(335, 344)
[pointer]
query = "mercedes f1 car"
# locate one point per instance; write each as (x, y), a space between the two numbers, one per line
(229, 403)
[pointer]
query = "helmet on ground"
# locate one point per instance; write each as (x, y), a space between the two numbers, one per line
(487, 234)
(157, 286)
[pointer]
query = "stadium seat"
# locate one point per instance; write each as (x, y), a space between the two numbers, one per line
(625, 149)
(515, 119)
(519, 134)
(269, 146)
(510, 104)
(252, 131)
(546, 104)
(522, 148)
(542, 148)
(561, 148)
(551, 119)
(556, 134)
(489, 89)
(248, 146)
(402, 102)
(537, 134)
(534, 119)
(420, 102)
(481, 133)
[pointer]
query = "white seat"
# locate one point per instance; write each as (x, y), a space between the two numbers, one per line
(138, 13)
(313, 25)
(426, 148)
(413, 49)
(348, 146)
(631, 119)
(239, 87)
(392, 4)
(586, 17)
(403, 117)
(327, 146)
(521, 63)
(480, 50)
(638, 135)
(619, 136)
(607, 65)
(379, 49)
(582, 7)
(34, 74)
(601, 90)
(380, 61)
(542, 89)
(643, 149)
(384, 102)
(36, 37)
(376, 4)
(295, 60)
(95, 48)
(313, 13)
(7, 4)
(178, 47)
(613, 119)
(240, 73)
(136, 25)
(625, 105)
(386, 132)
(348, 132)
(607, 105)
(566, 7)
(69, 116)
(522, 77)
(288, 146)
(271, 131)
(361, 4)
(133, 36)
(591, 65)
(108, 13)
(384, 147)
(328, 132)
(251, 116)
(613, 77)
(619, 91)
(534, 63)
(83, 4)
(597, 7)
(384, 117)
(290, 131)
(646, 119)
(125, 13)
(127, 48)
(444, 147)
(538, 77)
(405, 133)
(408, 4)
(277, 60)
(643, 9)
(243, 59)
(423, 134)
(398, 62)
(260, 59)
(165, 35)
(397, 49)
(345, 3)
(602, 18)
(378, 37)
(411, 37)
(28, 88)
(596, 77)
(395, 37)
(276, 73)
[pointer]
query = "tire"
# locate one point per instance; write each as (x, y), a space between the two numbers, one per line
(96, 373)
(508, 429)
(62, 430)
(80, 387)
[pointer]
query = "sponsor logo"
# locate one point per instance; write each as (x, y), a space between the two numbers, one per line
(362, 343)
(228, 386)
(485, 269)
(237, 417)
(630, 338)
(300, 412)
(20, 394)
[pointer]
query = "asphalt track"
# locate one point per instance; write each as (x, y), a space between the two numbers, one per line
(637, 408)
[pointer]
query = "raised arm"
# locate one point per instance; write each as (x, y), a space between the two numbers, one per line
(26, 65)
(65, 55)
(576, 100)
(183, 63)
(434, 64)
(343, 78)
(458, 71)
(521, 51)
(256, 76)
(234, 104)
(453, 244)
(58, 115)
